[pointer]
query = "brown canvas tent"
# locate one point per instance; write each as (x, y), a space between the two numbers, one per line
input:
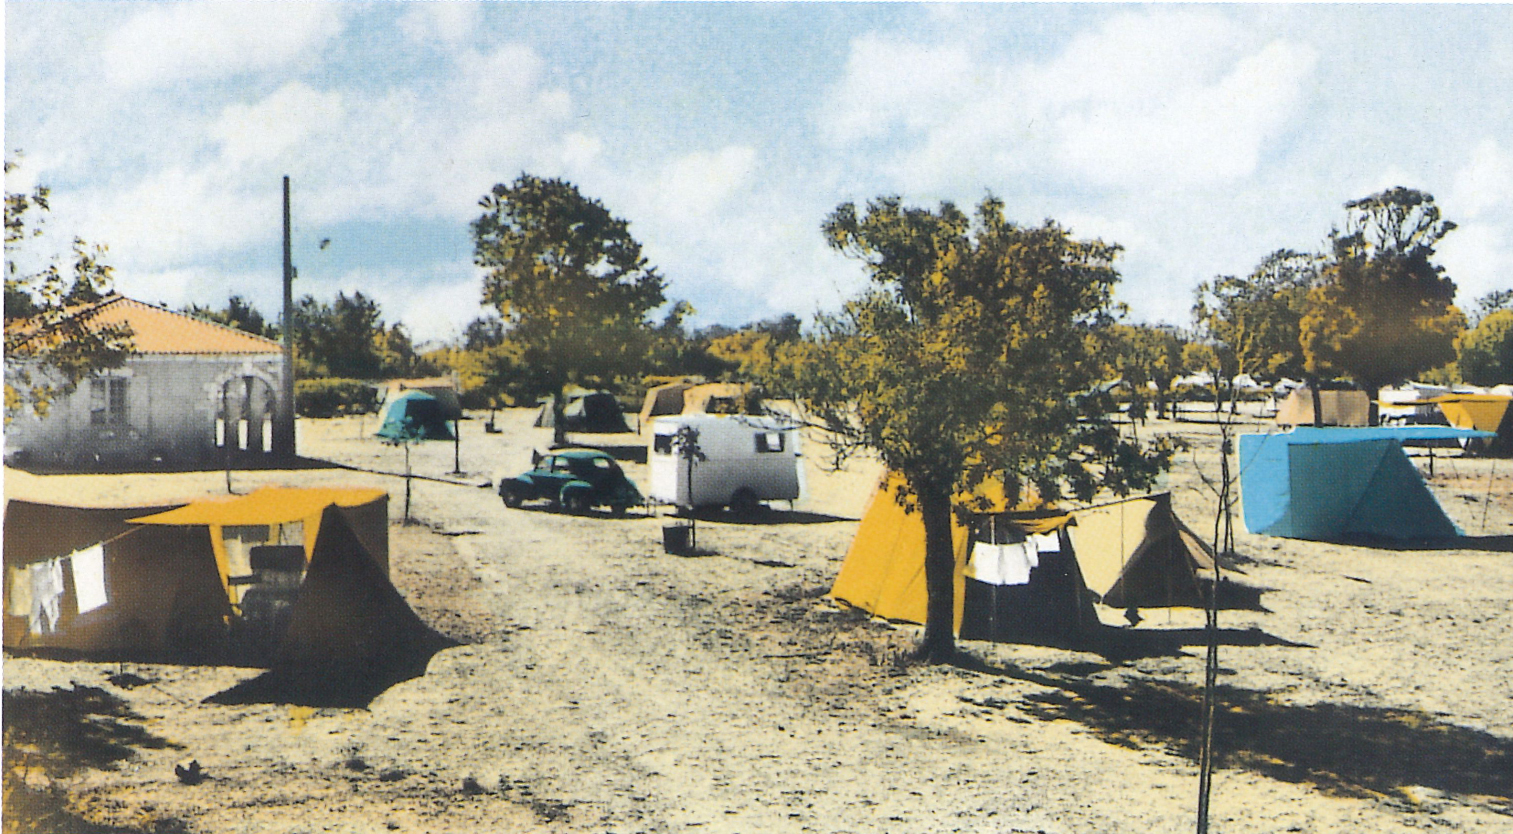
(717, 398)
(662, 400)
(1023, 573)
(187, 580)
(1136, 553)
(84, 579)
(1339, 407)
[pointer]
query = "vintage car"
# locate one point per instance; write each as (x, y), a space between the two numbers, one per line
(575, 479)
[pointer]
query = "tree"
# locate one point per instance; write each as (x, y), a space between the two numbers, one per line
(1492, 302)
(51, 343)
(1383, 311)
(1486, 353)
(1210, 357)
(961, 366)
(1143, 353)
(1257, 319)
(238, 313)
(569, 282)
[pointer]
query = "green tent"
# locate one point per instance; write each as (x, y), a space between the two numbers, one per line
(415, 415)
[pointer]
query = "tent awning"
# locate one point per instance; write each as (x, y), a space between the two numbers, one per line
(269, 505)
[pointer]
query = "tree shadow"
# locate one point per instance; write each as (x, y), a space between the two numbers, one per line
(64, 731)
(1124, 644)
(1343, 750)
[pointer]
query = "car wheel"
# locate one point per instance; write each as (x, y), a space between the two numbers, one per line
(744, 503)
(576, 502)
(617, 510)
(512, 497)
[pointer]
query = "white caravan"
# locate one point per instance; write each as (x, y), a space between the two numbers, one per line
(747, 460)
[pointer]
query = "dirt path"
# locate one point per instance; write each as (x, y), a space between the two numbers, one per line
(608, 686)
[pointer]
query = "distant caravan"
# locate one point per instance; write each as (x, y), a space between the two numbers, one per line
(745, 460)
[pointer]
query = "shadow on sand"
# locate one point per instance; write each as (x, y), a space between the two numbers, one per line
(349, 683)
(1341, 749)
(1494, 544)
(763, 515)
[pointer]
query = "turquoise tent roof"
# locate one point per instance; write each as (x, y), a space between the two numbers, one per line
(1325, 484)
(415, 415)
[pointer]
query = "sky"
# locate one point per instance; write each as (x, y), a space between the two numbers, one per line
(1198, 137)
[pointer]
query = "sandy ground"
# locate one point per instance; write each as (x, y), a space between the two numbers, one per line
(605, 686)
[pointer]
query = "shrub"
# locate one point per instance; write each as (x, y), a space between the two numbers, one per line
(331, 397)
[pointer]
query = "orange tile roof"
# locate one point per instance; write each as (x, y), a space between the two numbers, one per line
(156, 330)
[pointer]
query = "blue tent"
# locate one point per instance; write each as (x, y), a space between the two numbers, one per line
(415, 415)
(1331, 483)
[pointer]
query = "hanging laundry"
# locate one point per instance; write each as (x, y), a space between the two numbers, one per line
(20, 602)
(1046, 542)
(1003, 564)
(89, 578)
(47, 596)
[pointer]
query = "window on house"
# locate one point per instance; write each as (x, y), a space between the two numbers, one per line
(769, 441)
(107, 401)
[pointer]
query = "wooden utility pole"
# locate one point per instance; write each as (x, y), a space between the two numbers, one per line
(283, 429)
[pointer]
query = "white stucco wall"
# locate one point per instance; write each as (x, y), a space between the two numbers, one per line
(172, 406)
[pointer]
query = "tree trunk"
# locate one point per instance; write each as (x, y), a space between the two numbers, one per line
(559, 431)
(940, 576)
(1318, 405)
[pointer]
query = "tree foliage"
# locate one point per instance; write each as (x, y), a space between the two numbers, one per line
(962, 366)
(1256, 320)
(349, 339)
(569, 282)
(51, 344)
(1383, 311)
(238, 313)
(1141, 354)
(1486, 352)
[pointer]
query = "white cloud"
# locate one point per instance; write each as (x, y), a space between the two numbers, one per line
(444, 22)
(697, 185)
(1485, 183)
(171, 44)
(174, 216)
(434, 303)
(268, 129)
(1150, 100)
(891, 82)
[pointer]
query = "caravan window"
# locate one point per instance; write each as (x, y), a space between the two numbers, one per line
(662, 444)
(769, 441)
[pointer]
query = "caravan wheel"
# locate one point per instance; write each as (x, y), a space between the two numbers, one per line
(744, 503)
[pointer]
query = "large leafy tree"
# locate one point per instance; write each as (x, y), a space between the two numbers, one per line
(51, 344)
(1383, 311)
(349, 339)
(1486, 352)
(961, 366)
(1256, 319)
(569, 282)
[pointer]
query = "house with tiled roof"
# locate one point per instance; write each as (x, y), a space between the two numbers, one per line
(192, 391)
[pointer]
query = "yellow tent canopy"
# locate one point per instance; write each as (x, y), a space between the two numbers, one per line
(1483, 412)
